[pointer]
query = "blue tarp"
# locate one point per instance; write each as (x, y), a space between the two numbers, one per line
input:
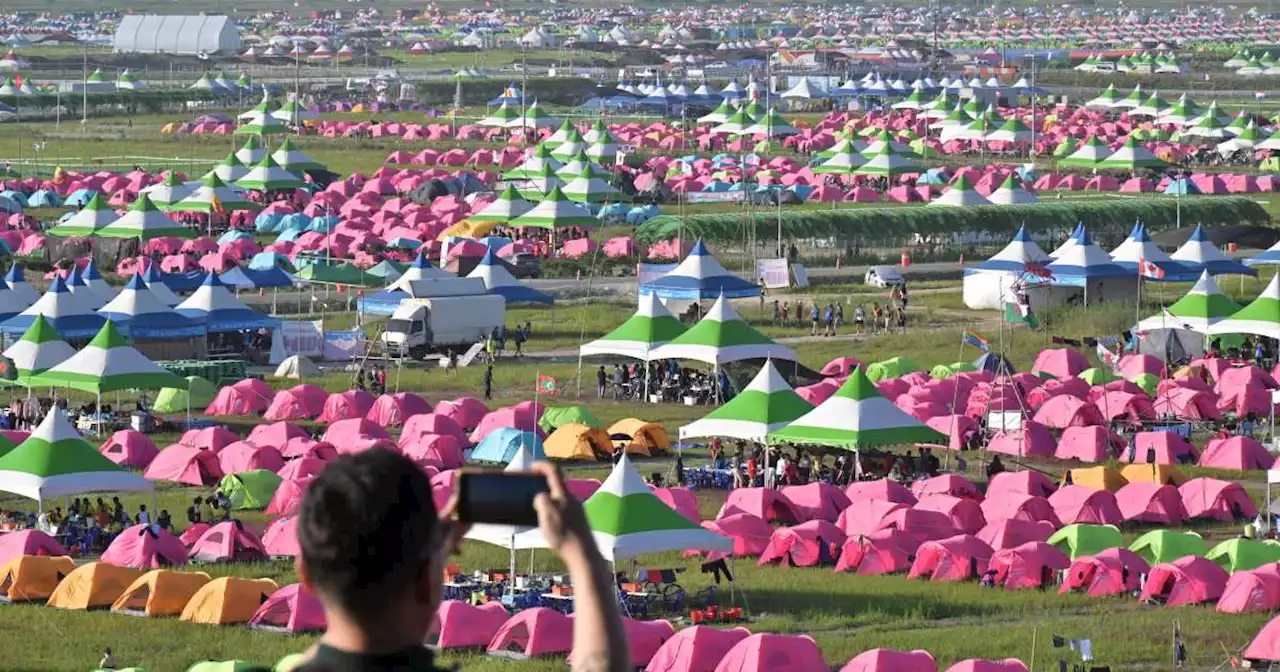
(252, 278)
(502, 444)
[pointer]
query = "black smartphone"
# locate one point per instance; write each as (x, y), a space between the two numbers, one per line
(499, 497)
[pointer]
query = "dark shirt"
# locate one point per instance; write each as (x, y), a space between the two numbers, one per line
(329, 659)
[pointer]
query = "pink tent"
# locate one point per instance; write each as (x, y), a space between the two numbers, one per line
(921, 524)
(307, 447)
(581, 488)
(129, 448)
(975, 665)
(28, 542)
(760, 502)
(805, 545)
(958, 429)
(227, 542)
(1066, 411)
(346, 405)
(695, 649)
(1239, 453)
(302, 468)
(192, 534)
(1266, 644)
(1088, 444)
(276, 434)
(957, 558)
(290, 609)
(288, 498)
(866, 517)
(256, 388)
(430, 423)
(1019, 506)
(534, 632)
(391, 410)
(815, 501)
(885, 552)
(289, 405)
(1251, 591)
(946, 484)
(184, 464)
(346, 434)
(1010, 533)
(212, 439)
(1167, 448)
(466, 411)
(145, 547)
(644, 638)
(1031, 565)
(750, 534)
(1027, 482)
(965, 514)
(459, 625)
(840, 367)
(1116, 404)
(235, 401)
(1189, 580)
(1033, 440)
(1187, 403)
(243, 456)
(280, 540)
(505, 417)
(1216, 500)
(681, 500)
(773, 653)
(1151, 503)
(1078, 504)
(883, 489)
(1060, 362)
(441, 448)
(1111, 572)
(889, 660)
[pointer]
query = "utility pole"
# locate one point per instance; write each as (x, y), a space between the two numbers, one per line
(524, 91)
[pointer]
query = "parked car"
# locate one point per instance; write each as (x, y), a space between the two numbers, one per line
(884, 276)
(525, 265)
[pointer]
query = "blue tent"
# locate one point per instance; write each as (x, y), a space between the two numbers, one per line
(221, 309)
(699, 277)
(268, 222)
(79, 198)
(44, 198)
(1085, 261)
(321, 224)
(67, 315)
(148, 316)
(512, 95)
(289, 235)
(498, 280)
(265, 261)
(253, 278)
(1181, 187)
(503, 443)
(233, 235)
(177, 282)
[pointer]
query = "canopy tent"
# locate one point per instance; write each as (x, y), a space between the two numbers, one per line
(1138, 247)
(857, 417)
(16, 280)
(145, 221)
(67, 314)
(722, 336)
(767, 404)
(266, 175)
(221, 310)
(95, 215)
(700, 277)
(215, 196)
(1202, 307)
(1200, 254)
(1261, 317)
(1131, 157)
(170, 191)
(1015, 256)
(108, 364)
(56, 461)
(650, 327)
(293, 159)
(498, 280)
(147, 315)
(512, 537)
(1088, 155)
(154, 280)
(38, 350)
(508, 206)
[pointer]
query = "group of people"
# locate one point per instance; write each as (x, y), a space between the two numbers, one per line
(824, 320)
(88, 525)
(496, 342)
(664, 378)
(373, 379)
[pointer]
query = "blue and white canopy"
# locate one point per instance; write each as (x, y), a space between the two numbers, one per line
(242, 277)
(1015, 256)
(83, 292)
(1069, 243)
(96, 282)
(386, 301)
(1200, 254)
(64, 311)
(700, 277)
(498, 280)
(1138, 246)
(148, 316)
(18, 283)
(10, 303)
(221, 310)
(152, 278)
(1085, 260)
(1268, 257)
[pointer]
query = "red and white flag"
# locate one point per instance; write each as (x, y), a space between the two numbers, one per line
(1148, 269)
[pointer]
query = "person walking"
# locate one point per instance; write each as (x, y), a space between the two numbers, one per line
(830, 317)
(488, 382)
(602, 382)
(814, 317)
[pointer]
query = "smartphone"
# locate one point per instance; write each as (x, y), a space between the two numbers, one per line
(499, 497)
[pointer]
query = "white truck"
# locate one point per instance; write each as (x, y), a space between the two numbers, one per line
(424, 325)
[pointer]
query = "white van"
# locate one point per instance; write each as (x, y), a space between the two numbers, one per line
(884, 276)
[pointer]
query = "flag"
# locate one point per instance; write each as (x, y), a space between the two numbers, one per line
(8, 370)
(548, 385)
(976, 340)
(1108, 358)
(1020, 313)
(59, 175)
(1259, 95)
(1038, 270)
(1149, 269)
(215, 204)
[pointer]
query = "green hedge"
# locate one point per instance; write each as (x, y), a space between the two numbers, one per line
(1102, 217)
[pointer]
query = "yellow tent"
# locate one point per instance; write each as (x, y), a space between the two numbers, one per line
(160, 592)
(468, 229)
(645, 438)
(28, 578)
(1098, 478)
(91, 585)
(1153, 473)
(577, 442)
(227, 600)
(169, 128)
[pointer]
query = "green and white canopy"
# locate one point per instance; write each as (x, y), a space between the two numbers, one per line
(841, 163)
(857, 417)
(264, 125)
(168, 192)
(293, 159)
(508, 206)
(1261, 317)
(293, 113)
(201, 200)
(961, 194)
(887, 163)
(1248, 138)
(56, 461)
(883, 138)
(1134, 99)
(599, 132)
(127, 82)
(578, 166)
(592, 187)
(534, 118)
(736, 124)
(957, 117)
(571, 145)
(766, 405)
(267, 176)
(39, 350)
(628, 520)
(540, 184)
(96, 77)
(650, 327)
(720, 337)
(721, 114)
(554, 212)
(1202, 307)
(145, 222)
(230, 169)
(1182, 112)
(1214, 113)
(95, 215)
(772, 125)
(561, 135)
(1131, 156)
(1241, 121)
(1088, 155)
(251, 151)
(843, 145)
(603, 150)
(264, 108)
(502, 117)
(1154, 106)
(108, 363)
(1207, 127)
(1106, 100)
(1012, 130)
(533, 165)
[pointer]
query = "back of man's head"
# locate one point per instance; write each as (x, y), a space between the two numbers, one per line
(365, 531)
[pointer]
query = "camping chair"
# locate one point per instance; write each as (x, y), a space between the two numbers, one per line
(673, 597)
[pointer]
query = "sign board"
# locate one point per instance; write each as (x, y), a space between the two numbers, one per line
(1273, 476)
(774, 272)
(647, 273)
(302, 337)
(344, 346)
(1004, 420)
(716, 196)
(800, 275)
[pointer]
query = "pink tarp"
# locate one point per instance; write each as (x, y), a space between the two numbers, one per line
(391, 410)
(292, 609)
(227, 542)
(1239, 453)
(243, 456)
(695, 649)
(955, 558)
(1189, 580)
(1031, 565)
(280, 540)
(459, 625)
(965, 514)
(815, 501)
(346, 406)
(883, 489)
(184, 464)
(1078, 504)
(534, 632)
(145, 547)
(773, 653)
(1216, 500)
(885, 552)
(129, 448)
(760, 502)
(805, 545)
(889, 660)
(1010, 533)
(1111, 572)
(28, 542)
(1151, 503)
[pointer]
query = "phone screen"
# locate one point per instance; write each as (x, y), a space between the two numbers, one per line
(499, 497)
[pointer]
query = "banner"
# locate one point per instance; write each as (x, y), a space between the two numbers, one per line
(647, 273)
(302, 337)
(716, 196)
(775, 273)
(343, 346)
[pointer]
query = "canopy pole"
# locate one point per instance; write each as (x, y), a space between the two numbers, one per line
(97, 425)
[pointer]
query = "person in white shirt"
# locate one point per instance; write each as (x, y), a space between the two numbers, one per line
(143, 518)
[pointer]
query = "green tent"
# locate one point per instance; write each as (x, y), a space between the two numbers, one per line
(947, 370)
(1239, 554)
(251, 489)
(1148, 383)
(651, 326)
(107, 364)
(174, 400)
(891, 368)
(56, 461)
(337, 274)
(289, 662)
(1097, 376)
(1159, 546)
(1079, 539)
(557, 416)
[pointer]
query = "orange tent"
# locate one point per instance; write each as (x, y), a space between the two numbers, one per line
(29, 578)
(95, 584)
(227, 600)
(643, 438)
(577, 442)
(1098, 478)
(1153, 473)
(160, 592)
